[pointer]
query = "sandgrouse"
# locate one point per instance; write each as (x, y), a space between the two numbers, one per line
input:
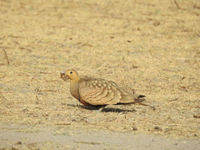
(99, 92)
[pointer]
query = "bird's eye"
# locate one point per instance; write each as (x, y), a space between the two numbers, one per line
(71, 72)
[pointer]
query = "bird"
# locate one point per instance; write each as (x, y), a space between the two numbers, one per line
(99, 92)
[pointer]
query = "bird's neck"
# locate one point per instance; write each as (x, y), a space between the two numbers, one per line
(74, 88)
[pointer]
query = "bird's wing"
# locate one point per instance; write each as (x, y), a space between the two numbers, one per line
(99, 92)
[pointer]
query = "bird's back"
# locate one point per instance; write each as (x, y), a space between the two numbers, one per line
(97, 91)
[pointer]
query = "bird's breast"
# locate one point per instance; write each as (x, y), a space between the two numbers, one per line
(74, 90)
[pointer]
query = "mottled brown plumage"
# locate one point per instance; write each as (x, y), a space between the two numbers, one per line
(99, 92)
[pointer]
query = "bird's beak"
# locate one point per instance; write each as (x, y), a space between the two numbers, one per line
(64, 76)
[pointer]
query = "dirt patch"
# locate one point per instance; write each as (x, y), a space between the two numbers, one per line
(153, 47)
(62, 137)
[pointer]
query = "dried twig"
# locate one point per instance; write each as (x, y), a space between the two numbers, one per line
(177, 5)
(2, 76)
(2, 97)
(64, 123)
(6, 56)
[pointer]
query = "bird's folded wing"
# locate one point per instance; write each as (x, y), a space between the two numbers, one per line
(99, 92)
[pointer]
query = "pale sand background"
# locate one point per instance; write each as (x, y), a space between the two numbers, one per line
(151, 46)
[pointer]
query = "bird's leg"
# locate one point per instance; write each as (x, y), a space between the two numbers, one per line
(105, 106)
(102, 108)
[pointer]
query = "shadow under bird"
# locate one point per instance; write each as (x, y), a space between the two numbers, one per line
(99, 92)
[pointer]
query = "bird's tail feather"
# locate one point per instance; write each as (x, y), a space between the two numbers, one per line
(140, 99)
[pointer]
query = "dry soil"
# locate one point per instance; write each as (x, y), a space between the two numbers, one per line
(151, 46)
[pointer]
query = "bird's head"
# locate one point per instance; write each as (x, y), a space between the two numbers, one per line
(70, 74)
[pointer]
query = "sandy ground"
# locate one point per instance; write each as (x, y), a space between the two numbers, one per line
(57, 138)
(151, 46)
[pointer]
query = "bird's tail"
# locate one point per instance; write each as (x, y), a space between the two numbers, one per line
(140, 99)
(141, 96)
